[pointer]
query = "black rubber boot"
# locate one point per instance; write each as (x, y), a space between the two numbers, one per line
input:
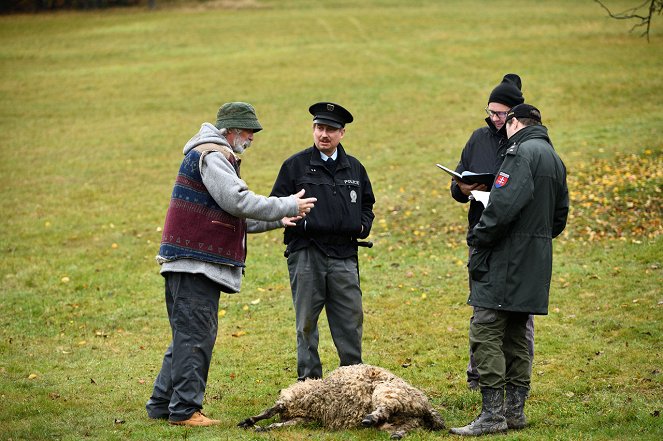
(514, 406)
(491, 419)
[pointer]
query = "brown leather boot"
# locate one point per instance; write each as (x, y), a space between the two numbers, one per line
(198, 419)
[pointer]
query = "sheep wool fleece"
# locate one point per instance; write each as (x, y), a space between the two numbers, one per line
(353, 396)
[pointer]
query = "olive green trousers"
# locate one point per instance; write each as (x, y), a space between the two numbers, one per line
(498, 340)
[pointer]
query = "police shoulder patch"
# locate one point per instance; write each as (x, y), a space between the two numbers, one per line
(501, 180)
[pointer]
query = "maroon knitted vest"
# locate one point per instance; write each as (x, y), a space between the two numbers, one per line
(196, 227)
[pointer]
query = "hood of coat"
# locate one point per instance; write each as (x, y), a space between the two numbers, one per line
(530, 132)
(207, 134)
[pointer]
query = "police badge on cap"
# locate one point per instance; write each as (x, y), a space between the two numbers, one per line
(330, 114)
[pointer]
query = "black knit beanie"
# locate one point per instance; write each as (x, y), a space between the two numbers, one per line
(508, 91)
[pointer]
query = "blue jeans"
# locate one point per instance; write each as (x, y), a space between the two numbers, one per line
(192, 301)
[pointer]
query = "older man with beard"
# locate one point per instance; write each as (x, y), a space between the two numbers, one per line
(202, 253)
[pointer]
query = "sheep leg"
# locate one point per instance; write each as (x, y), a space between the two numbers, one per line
(434, 420)
(373, 418)
(288, 423)
(266, 414)
(385, 401)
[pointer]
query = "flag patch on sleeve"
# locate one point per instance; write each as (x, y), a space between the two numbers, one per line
(501, 180)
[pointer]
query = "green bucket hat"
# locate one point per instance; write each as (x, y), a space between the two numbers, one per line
(237, 115)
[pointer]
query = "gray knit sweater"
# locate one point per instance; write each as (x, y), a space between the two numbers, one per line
(233, 196)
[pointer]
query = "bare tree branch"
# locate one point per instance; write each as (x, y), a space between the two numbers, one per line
(643, 20)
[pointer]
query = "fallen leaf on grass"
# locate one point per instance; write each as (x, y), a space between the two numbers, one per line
(238, 333)
(32, 376)
(255, 302)
(625, 206)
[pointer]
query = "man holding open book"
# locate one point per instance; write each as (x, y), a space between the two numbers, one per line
(511, 267)
(484, 153)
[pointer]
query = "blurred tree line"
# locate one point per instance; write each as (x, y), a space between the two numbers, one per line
(7, 6)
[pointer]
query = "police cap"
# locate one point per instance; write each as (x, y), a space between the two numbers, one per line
(524, 111)
(330, 114)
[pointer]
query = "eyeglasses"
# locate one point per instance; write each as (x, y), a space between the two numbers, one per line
(491, 113)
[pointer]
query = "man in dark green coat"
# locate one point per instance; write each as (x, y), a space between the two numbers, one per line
(511, 267)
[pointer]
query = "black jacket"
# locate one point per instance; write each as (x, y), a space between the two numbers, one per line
(483, 153)
(344, 210)
(511, 264)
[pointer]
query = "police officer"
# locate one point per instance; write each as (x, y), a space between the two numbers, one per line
(322, 247)
(511, 267)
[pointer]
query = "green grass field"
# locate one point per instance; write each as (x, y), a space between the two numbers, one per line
(95, 108)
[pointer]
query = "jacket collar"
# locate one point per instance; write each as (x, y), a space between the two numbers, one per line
(530, 132)
(501, 132)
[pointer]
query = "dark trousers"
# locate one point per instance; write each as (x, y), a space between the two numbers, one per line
(499, 342)
(192, 301)
(472, 373)
(318, 281)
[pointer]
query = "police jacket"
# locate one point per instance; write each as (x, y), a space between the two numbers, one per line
(483, 153)
(344, 210)
(511, 265)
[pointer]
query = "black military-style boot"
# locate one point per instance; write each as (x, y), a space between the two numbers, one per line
(491, 419)
(514, 406)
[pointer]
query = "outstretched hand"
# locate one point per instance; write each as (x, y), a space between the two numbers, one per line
(290, 221)
(304, 204)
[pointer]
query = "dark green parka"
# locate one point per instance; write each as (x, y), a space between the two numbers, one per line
(511, 264)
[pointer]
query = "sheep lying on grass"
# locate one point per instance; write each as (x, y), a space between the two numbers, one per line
(353, 396)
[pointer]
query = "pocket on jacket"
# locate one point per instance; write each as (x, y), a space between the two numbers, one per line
(484, 315)
(478, 264)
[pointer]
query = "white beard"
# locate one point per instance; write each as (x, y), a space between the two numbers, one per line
(238, 146)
